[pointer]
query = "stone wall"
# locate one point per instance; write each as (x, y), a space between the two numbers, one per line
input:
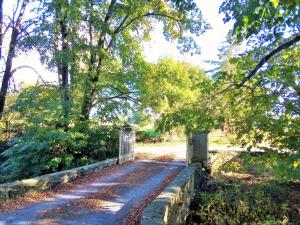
(172, 205)
(11, 190)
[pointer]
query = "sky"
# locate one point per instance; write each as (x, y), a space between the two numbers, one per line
(209, 42)
(158, 47)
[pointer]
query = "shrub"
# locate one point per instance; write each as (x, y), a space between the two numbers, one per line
(240, 204)
(284, 166)
(41, 151)
(45, 150)
(150, 135)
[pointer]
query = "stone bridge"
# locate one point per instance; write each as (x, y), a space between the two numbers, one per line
(107, 192)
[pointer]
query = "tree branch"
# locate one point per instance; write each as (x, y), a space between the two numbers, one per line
(29, 67)
(146, 15)
(285, 45)
(109, 11)
(125, 96)
(257, 67)
(122, 27)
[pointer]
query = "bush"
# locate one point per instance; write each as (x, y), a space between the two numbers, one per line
(37, 141)
(240, 204)
(251, 188)
(149, 136)
(45, 150)
(41, 151)
(284, 166)
(103, 142)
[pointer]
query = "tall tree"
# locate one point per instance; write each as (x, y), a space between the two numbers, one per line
(16, 31)
(61, 10)
(101, 34)
(170, 89)
(127, 21)
(262, 88)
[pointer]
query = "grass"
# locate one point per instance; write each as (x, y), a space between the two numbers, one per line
(261, 188)
(217, 137)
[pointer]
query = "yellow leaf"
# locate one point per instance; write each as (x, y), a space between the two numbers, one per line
(296, 164)
(275, 2)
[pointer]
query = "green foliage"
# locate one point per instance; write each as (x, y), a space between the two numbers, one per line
(103, 49)
(250, 188)
(45, 150)
(181, 85)
(175, 81)
(102, 141)
(41, 150)
(150, 135)
(283, 166)
(266, 109)
(235, 204)
(42, 145)
(262, 21)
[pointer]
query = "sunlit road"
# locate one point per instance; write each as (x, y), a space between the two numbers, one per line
(115, 194)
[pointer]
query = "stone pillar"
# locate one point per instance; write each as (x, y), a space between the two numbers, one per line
(189, 150)
(199, 149)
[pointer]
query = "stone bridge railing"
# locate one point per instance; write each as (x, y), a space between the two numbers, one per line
(21, 187)
(171, 207)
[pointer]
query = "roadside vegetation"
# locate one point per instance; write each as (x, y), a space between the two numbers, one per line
(249, 188)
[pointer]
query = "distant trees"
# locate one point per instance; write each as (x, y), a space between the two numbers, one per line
(172, 90)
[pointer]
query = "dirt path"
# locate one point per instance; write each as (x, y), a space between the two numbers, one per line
(105, 200)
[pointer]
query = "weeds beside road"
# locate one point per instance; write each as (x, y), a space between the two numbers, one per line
(260, 188)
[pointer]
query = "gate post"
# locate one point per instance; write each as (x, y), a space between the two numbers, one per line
(197, 149)
(126, 143)
(189, 150)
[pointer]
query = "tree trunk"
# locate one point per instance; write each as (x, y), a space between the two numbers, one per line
(93, 74)
(1, 27)
(10, 56)
(90, 90)
(88, 93)
(63, 64)
(87, 100)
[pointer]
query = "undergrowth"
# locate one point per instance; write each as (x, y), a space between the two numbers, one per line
(261, 188)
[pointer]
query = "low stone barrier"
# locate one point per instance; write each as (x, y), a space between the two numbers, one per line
(172, 205)
(11, 190)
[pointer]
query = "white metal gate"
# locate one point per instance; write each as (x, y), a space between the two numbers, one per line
(127, 141)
